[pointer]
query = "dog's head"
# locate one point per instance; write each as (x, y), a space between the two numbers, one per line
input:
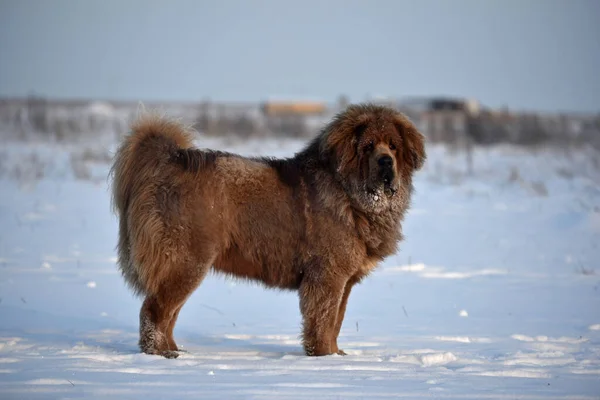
(374, 150)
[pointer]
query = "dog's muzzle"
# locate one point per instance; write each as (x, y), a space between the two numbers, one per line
(387, 173)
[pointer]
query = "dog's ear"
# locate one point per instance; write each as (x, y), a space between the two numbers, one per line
(413, 144)
(342, 137)
(339, 148)
(416, 145)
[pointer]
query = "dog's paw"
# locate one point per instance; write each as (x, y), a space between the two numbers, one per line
(341, 353)
(169, 354)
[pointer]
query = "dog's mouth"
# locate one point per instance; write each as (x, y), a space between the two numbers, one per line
(384, 186)
(387, 179)
(389, 190)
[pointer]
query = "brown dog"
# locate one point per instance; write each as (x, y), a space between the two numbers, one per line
(317, 223)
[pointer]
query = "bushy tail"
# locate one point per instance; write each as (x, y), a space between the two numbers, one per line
(140, 167)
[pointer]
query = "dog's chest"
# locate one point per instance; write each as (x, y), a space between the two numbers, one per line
(367, 267)
(379, 237)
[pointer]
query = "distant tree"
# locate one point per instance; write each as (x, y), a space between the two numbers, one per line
(243, 126)
(203, 121)
(37, 111)
(343, 101)
(533, 133)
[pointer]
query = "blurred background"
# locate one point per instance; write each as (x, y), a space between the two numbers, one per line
(493, 71)
(496, 284)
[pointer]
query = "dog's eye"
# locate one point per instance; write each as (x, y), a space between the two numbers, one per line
(392, 146)
(369, 147)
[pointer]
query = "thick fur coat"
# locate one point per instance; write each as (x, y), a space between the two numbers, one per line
(317, 222)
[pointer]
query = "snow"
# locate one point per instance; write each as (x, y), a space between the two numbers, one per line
(494, 293)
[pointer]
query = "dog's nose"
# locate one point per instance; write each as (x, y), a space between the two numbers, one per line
(385, 161)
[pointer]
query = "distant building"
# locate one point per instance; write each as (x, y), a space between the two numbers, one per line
(442, 119)
(470, 106)
(293, 108)
(292, 118)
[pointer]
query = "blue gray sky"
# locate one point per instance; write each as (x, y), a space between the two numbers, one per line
(528, 54)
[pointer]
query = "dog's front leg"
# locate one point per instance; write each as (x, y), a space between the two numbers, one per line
(319, 304)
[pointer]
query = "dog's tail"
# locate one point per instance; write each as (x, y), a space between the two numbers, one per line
(142, 170)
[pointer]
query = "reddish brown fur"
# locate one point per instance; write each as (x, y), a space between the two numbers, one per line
(318, 222)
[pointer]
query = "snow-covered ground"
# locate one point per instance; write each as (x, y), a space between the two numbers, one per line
(493, 295)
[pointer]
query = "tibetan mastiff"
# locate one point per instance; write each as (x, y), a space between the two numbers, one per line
(316, 223)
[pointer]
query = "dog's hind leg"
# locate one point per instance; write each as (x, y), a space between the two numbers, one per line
(340, 315)
(160, 310)
(171, 327)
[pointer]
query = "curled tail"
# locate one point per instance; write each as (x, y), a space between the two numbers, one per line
(141, 173)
